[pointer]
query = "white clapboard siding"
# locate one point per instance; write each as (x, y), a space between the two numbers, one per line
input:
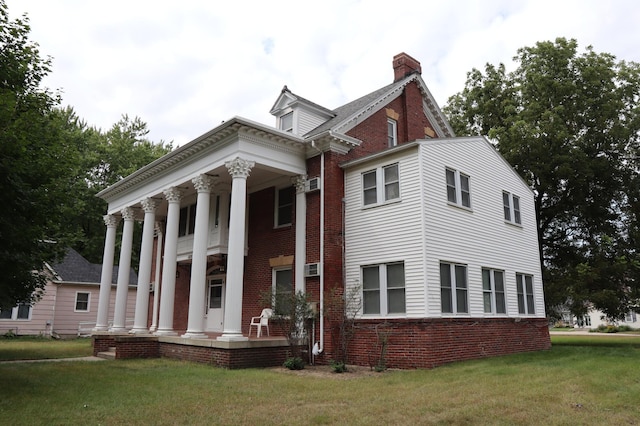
(308, 121)
(389, 232)
(478, 237)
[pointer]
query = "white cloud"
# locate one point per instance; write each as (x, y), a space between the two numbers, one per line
(184, 67)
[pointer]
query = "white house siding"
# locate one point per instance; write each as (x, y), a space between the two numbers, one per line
(40, 317)
(478, 237)
(308, 121)
(387, 233)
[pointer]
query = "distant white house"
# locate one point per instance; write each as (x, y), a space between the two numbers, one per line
(596, 318)
(68, 303)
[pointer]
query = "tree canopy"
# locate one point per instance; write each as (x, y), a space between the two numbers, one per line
(569, 123)
(51, 166)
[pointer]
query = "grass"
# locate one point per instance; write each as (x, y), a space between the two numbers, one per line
(43, 348)
(594, 380)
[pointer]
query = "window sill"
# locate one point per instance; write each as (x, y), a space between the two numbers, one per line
(460, 206)
(514, 224)
(386, 203)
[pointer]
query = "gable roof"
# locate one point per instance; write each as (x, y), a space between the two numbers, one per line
(74, 268)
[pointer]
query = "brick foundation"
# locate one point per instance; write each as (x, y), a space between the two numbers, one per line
(428, 343)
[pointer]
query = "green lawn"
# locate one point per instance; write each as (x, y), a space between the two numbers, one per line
(595, 381)
(42, 348)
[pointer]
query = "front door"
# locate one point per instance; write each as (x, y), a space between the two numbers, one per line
(215, 304)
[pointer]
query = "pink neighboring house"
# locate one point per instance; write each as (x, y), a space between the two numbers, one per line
(69, 301)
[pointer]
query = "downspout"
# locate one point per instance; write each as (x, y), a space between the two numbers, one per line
(318, 347)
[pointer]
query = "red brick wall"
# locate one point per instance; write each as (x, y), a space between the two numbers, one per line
(428, 343)
(128, 347)
(265, 243)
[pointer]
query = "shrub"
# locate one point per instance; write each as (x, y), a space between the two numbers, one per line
(294, 363)
(338, 366)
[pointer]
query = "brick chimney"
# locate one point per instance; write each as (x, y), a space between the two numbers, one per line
(404, 65)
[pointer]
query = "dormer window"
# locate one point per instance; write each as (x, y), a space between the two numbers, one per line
(286, 122)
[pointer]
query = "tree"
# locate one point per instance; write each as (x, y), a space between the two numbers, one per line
(33, 163)
(569, 124)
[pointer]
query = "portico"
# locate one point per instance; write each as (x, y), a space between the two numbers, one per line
(199, 195)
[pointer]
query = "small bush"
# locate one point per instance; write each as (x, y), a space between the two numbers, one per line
(10, 335)
(611, 328)
(294, 363)
(338, 366)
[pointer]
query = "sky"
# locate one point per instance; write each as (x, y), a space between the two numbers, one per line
(184, 67)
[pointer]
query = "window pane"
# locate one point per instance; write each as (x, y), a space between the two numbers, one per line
(370, 278)
(391, 180)
(286, 122)
(487, 302)
(451, 186)
(461, 300)
(464, 185)
(486, 279)
(507, 206)
(520, 289)
(82, 301)
(371, 302)
(182, 226)
(395, 275)
(395, 300)
(23, 311)
(192, 219)
(215, 297)
(516, 209)
(285, 203)
(391, 173)
(498, 279)
(529, 289)
(392, 191)
(283, 292)
(391, 132)
(369, 187)
(6, 313)
(461, 276)
(445, 288)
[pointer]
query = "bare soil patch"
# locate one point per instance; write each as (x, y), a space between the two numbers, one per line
(325, 371)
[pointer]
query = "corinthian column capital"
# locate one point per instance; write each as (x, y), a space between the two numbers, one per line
(110, 220)
(173, 195)
(128, 213)
(149, 205)
(299, 182)
(203, 183)
(239, 167)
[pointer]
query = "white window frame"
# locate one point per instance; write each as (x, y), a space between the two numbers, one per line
(274, 281)
(526, 299)
(490, 292)
(455, 289)
(277, 206)
(392, 132)
(385, 287)
(75, 305)
(455, 192)
(281, 122)
(381, 185)
(14, 313)
(511, 207)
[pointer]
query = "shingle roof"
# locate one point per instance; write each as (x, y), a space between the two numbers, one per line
(75, 268)
(347, 110)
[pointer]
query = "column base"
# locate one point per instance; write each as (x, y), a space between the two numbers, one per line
(138, 331)
(100, 328)
(194, 335)
(166, 333)
(232, 337)
(118, 330)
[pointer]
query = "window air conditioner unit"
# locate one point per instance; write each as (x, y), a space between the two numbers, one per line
(312, 184)
(311, 269)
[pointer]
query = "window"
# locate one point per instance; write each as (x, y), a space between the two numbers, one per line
(20, 312)
(82, 302)
(383, 289)
(284, 206)
(381, 185)
(524, 284)
(187, 222)
(458, 191)
(453, 288)
(511, 205)
(286, 122)
(630, 317)
(493, 291)
(282, 290)
(392, 132)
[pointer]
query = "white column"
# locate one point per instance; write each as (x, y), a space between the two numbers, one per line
(301, 232)
(102, 321)
(197, 288)
(144, 271)
(124, 271)
(239, 170)
(156, 281)
(169, 266)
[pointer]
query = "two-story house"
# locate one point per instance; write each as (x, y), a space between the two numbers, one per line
(436, 236)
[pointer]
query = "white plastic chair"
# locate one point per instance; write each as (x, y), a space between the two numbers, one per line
(261, 321)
